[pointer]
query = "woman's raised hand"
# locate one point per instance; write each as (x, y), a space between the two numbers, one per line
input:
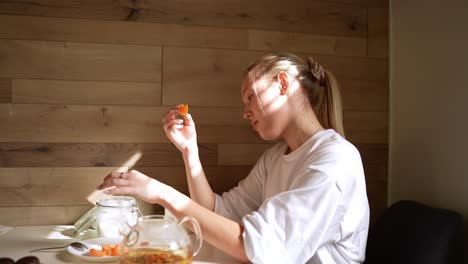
(181, 132)
(135, 184)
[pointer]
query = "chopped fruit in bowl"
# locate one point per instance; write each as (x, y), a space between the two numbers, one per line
(107, 250)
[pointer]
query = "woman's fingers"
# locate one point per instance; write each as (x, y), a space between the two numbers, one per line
(119, 182)
(169, 123)
(189, 120)
(173, 128)
(170, 115)
(117, 174)
(120, 190)
(114, 179)
(132, 183)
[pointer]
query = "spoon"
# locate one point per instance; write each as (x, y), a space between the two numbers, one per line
(76, 245)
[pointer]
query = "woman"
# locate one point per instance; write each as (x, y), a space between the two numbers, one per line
(305, 199)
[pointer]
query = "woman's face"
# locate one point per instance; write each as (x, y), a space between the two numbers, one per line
(265, 107)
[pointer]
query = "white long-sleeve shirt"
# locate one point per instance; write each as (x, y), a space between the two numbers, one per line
(309, 206)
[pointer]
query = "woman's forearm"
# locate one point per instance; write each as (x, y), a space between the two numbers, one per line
(199, 188)
(217, 230)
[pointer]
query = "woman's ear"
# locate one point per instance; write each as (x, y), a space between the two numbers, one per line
(283, 80)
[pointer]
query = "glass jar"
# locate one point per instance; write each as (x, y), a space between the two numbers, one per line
(109, 215)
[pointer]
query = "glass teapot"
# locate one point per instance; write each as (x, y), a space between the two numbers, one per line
(159, 239)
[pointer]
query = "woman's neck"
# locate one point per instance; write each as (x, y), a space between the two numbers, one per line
(300, 130)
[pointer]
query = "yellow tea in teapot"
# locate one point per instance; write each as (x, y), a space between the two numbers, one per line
(154, 256)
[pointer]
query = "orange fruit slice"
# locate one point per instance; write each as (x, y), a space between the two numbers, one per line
(183, 109)
(115, 250)
(107, 250)
(96, 253)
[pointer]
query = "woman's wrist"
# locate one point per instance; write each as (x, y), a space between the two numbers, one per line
(190, 150)
(172, 199)
(191, 157)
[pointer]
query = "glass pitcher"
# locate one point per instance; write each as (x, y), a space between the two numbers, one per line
(159, 239)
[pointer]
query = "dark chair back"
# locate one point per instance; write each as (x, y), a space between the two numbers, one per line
(412, 233)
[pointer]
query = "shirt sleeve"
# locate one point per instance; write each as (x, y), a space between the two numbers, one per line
(291, 226)
(245, 198)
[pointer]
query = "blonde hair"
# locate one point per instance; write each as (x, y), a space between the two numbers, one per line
(319, 84)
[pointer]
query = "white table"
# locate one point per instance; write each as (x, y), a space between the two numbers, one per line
(18, 242)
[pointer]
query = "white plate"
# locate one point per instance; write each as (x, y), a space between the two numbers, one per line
(97, 244)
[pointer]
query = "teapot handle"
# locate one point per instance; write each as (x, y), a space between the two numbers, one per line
(197, 231)
(130, 234)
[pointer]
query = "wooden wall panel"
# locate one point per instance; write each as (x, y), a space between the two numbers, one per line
(377, 196)
(364, 95)
(84, 85)
(56, 186)
(85, 92)
(213, 77)
(365, 3)
(240, 154)
(221, 178)
(98, 155)
(49, 186)
(79, 61)
(355, 68)
(42, 215)
(132, 124)
(366, 127)
(208, 77)
(374, 157)
(300, 42)
(376, 173)
(378, 39)
(5, 91)
(373, 153)
(320, 17)
(107, 124)
(74, 123)
(39, 181)
(375, 160)
(55, 215)
(65, 29)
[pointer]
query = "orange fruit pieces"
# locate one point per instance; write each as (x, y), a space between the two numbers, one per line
(107, 250)
(115, 250)
(96, 253)
(183, 109)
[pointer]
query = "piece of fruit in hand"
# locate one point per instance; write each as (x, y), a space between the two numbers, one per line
(183, 109)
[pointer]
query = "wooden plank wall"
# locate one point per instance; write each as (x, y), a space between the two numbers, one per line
(84, 84)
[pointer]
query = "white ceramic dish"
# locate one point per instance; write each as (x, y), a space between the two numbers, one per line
(97, 244)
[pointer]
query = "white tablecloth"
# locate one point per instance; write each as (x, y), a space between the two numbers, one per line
(18, 242)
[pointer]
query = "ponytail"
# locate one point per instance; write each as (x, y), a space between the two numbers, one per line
(324, 96)
(332, 117)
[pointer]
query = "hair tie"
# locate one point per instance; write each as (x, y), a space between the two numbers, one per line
(317, 71)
